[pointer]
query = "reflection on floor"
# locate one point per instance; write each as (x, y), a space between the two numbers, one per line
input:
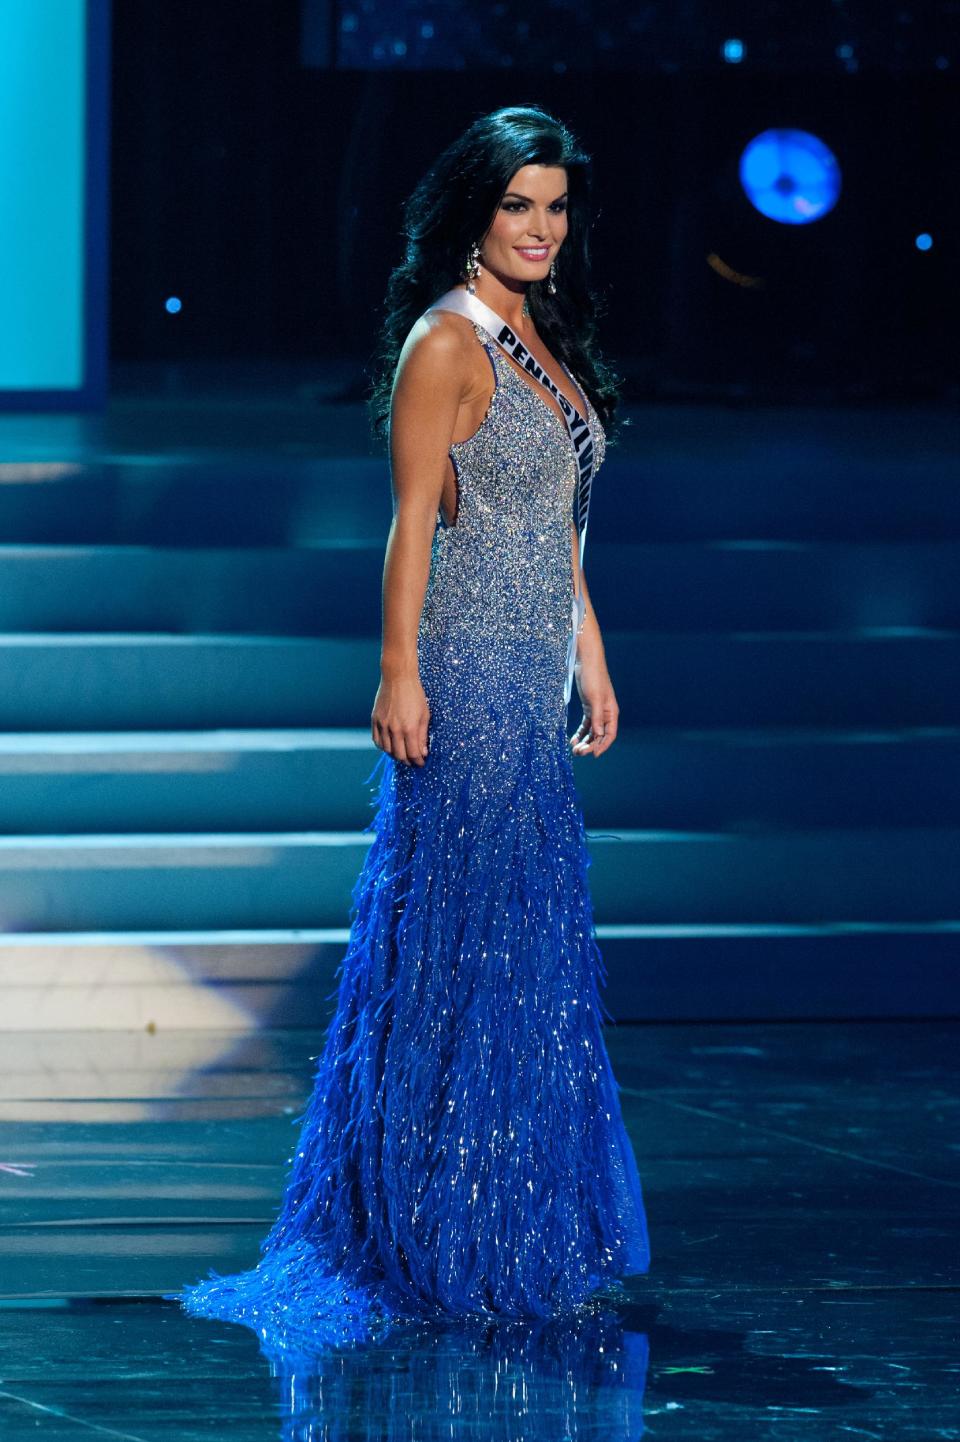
(801, 1182)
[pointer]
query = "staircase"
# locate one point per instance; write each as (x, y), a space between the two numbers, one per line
(189, 619)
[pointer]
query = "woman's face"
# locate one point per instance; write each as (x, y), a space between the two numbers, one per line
(530, 224)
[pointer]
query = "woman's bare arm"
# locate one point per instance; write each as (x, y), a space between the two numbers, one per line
(426, 398)
(590, 640)
(601, 712)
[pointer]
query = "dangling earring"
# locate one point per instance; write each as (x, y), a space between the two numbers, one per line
(473, 268)
(552, 282)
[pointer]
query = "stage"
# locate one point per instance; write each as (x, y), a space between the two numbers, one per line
(224, 225)
(801, 1179)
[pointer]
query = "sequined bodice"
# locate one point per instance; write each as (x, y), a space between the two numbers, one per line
(498, 597)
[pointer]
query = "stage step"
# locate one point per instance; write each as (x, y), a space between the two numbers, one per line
(708, 585)
(302, 879)
(296, 475)
(238, 982)
(287, 779)
(897, 676)
(189, 654)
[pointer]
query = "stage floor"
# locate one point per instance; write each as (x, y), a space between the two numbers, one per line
(801, 1183)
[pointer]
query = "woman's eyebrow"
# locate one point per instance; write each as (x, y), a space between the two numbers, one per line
(527, 197)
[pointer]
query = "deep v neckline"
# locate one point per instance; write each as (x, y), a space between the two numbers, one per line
(514, 366)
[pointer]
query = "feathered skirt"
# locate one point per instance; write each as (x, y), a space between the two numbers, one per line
(463, 1149)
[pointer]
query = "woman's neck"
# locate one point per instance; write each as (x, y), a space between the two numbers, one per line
(507, 302)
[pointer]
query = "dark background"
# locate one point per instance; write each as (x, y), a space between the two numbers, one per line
(263, 185)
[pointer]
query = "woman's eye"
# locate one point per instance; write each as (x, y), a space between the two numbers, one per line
(513, 205)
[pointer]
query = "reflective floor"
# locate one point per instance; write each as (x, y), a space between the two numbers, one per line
(801, 1183)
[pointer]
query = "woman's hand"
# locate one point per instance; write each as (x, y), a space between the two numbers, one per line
(598, 729)
(400, 718)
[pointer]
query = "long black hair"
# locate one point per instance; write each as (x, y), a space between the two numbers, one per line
(453, 207)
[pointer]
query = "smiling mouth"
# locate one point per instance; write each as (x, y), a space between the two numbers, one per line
(533, 252)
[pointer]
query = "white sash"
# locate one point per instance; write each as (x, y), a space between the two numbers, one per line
(578, 428)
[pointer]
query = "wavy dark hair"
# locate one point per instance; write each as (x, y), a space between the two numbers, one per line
(453, 206)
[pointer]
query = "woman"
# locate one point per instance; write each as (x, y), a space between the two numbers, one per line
(463, 1150)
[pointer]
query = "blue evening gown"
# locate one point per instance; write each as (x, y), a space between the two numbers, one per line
(463, 1149)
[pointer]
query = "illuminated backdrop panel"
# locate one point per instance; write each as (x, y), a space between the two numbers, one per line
(52, 239)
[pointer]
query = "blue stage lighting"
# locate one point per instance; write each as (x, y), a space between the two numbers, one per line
(173, 305)
(734, 51)
(790, 176)
(924, 241)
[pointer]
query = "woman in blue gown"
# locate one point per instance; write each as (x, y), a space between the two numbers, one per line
(463, 1150)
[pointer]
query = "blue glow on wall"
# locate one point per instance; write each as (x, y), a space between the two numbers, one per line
(43, 50)
(790, 176)
(924, 241)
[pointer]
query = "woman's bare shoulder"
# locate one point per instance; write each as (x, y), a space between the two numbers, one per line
(438, 341)
(434, 377)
